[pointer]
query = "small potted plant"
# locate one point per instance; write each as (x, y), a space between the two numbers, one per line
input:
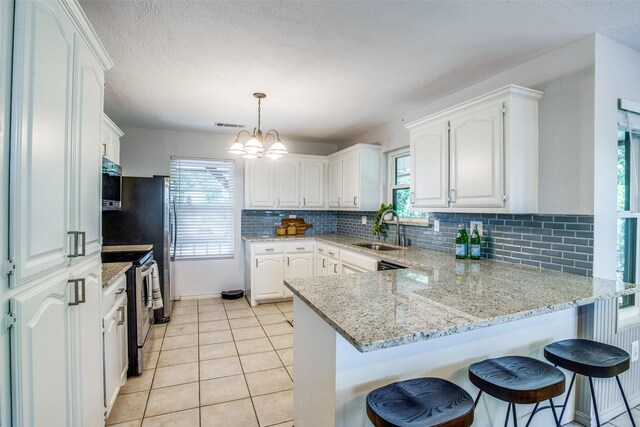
(379, 229)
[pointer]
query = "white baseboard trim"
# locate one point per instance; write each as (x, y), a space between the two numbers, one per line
(191, 297)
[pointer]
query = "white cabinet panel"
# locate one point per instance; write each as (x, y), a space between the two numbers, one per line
(89, 84)
(260, 185)
(351, 179)
(322, 268)
(333, 267)
(288, 172)
(115, 351)
(267, 276)
(335, 182)
(297, 266)
(312, 183)
(40, 133)
(430, 166)
(477, 158)
(41, 359)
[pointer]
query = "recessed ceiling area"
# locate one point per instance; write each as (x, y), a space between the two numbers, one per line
(330, 69)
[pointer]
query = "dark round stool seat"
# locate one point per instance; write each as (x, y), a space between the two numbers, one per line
(424, 402)
(588, 358)
(517, 379)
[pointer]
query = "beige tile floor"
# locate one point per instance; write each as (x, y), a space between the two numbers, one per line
(217, 363)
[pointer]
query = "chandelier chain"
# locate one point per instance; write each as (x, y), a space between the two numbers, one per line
(259, 110)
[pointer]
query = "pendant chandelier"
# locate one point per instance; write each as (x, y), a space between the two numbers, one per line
(254, 148)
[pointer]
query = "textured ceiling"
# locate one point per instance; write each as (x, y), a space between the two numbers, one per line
(331, 69)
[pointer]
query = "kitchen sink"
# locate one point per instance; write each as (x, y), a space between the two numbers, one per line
(377, 246)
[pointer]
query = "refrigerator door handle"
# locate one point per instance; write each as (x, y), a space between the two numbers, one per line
(174, 231)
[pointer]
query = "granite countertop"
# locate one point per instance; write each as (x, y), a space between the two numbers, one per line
(111, 271)
(439, 296)
(127, 248)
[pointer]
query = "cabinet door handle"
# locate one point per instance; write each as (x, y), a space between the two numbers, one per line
(82, 235)
(335, 268)
(300, 249)
(104, 149)
(78, 291)
(453, 195)
(287, 260)
(278, 201)
(269, 250)
(73, 244)
(324, 263)
(304, 201)
(354, 201)
(256, 262)
(339, 201)
(121, 290)
(412, 199)
(120, 315)
(331, 253)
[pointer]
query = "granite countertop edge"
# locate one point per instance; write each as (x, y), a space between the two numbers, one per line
(112, 271)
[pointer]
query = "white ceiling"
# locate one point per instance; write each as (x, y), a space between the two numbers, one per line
(331, 69)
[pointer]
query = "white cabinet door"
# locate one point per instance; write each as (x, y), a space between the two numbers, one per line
(87, 179)
(351, 179)
(288, 171)
(111, 357)
(115, 142)
(40, 355)
(261, 185)
(266, 272)
(122, 340)
(476, 147)
(86, 327)
(105, 141)
(322, 268)
(297, 266)
(40, 138)
(333, 267)
(335, 182)
(312, 178)
(430, 166)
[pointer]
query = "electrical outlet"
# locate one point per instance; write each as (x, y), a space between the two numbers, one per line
(436, 225)
(479, 224)
(634, 351)
(292, 216)
(364, 220)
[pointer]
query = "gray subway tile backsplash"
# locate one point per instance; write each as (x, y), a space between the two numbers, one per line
(556, 242)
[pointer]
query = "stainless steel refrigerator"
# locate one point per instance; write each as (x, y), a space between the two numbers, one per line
(145, 217)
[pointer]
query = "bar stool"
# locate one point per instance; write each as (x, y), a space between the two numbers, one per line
(423, 402)
(591, 359)
(518, 380)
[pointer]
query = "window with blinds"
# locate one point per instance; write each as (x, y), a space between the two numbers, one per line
(202, 198)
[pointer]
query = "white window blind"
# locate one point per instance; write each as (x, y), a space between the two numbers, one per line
(202, 197)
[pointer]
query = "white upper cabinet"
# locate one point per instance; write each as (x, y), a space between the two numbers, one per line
(110, 140)
(479, 156)
(312, 183)
(290, 182)
(41, 138)
(87, 181)
(430, 166)
(259, 183)
(354, 178)
(288, 179)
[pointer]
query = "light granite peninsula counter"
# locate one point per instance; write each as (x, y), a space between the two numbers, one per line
(358, 332)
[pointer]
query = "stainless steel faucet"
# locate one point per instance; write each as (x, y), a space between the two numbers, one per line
(399, 236)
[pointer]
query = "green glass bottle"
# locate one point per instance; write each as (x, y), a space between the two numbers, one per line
(462, 242)
(474, 244)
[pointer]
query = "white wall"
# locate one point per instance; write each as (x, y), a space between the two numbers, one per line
(147, 152)
(566, 77)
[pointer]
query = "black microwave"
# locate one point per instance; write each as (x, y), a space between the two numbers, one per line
(111, 185)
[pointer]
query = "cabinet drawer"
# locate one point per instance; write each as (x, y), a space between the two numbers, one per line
(112, 293)
(267, 248)
(333, 253)
(298, 247)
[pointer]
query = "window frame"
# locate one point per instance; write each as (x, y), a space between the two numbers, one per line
(391, 157)
(232, 207)
(629, 316)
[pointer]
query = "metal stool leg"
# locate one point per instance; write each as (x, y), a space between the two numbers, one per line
(555, 416)
(515, 418)
(477, 399)
(506, 421)
(566, 399)
(633, 423)
(535, 408)
(593, 399)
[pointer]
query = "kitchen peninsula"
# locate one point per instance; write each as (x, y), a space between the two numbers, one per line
(354, 333)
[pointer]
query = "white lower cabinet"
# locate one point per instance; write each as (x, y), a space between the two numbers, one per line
(56, 350)
(114, 336)
(297, 266)
(267, 277)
